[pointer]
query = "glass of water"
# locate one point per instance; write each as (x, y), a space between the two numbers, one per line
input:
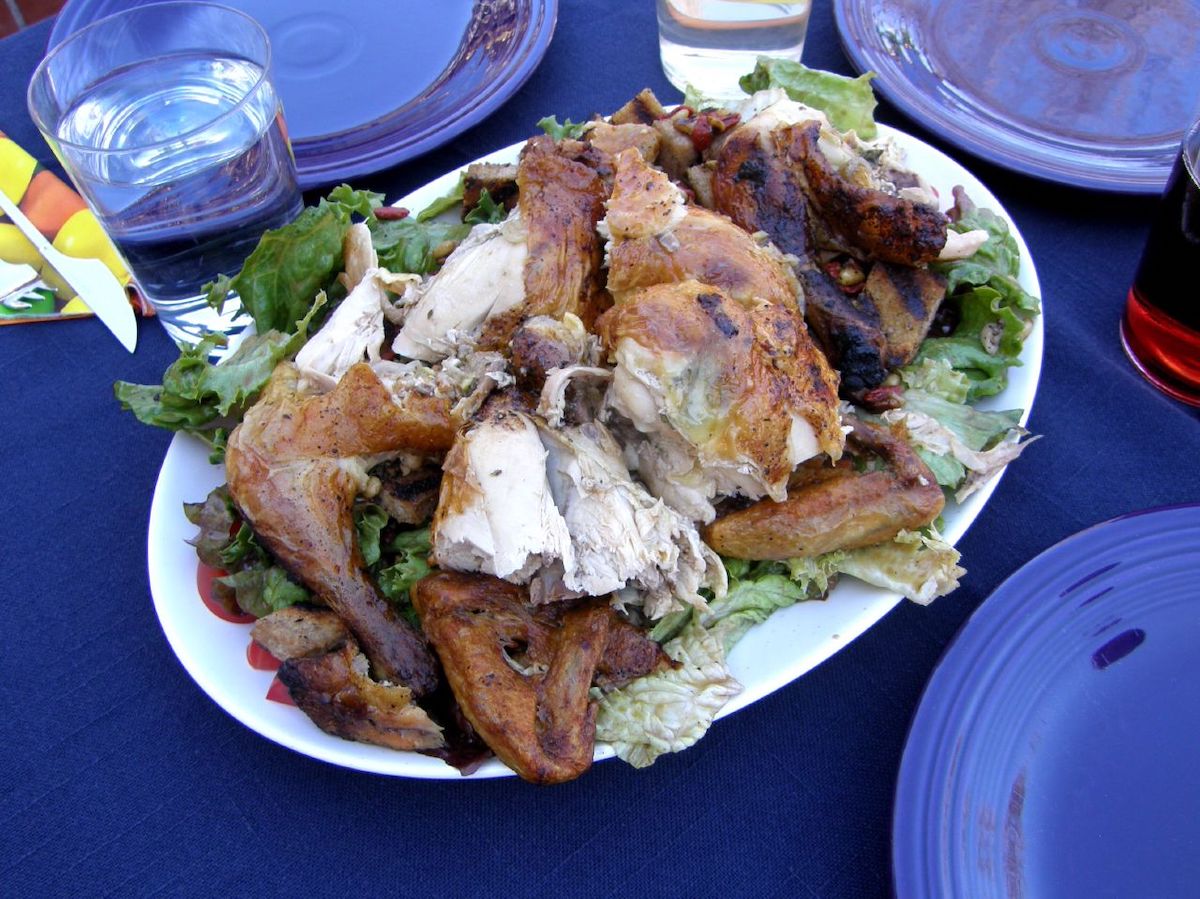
(710, 44)
(165, 118)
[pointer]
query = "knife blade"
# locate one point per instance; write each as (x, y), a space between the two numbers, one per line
(90, 278)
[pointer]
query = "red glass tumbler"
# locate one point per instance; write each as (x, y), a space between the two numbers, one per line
(1161, 325)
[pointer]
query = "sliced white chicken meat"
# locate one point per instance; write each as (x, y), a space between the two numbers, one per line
(354, 330)
(483, 277)
(621, 536)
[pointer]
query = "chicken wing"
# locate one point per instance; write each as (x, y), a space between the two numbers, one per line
(338, 694)
(295, 465)
(523, 678)
(843, 509)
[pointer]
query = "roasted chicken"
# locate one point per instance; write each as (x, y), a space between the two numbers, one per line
(837, 508)
(544, 259)
(295, 465)
(520, 498)
(522, 676)
(656, 238)
(730, 396)
(337, 692)
(882, 225)
(568, 403)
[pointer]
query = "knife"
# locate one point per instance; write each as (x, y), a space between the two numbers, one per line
(90, 278)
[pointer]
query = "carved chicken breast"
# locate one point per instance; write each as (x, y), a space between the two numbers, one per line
(496, 513)
(354, 330)
(622, 536)
(295, 465)
(521, 499)
(655, 238)
(545, 259)
(483, 277)
(560, 199)
(742, 387)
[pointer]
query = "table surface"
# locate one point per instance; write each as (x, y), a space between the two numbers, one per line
(119, 776)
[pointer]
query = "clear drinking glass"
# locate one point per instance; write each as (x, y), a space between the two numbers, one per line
(165, 118)
(710, 44)
(1161, 325)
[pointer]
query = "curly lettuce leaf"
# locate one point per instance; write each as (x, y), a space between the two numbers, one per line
(937, 377)
(369, 522)
(405, 561)
(253, 582)
(216, 519)
(201, 398)
(670, 710)
(848, 102)
(290, 265)
(995, 313)
(560, 131)
(261, 590)
(963, 446)
(921, 566)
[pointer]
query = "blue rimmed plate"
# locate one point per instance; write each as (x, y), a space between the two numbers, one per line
(367, 85)
(1055, 751)
(1094, 94)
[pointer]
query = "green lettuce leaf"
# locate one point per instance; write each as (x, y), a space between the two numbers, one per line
(962, 445)
(290, 265)
(216, 518)
(261, 590)
(452, 199)
(369, 522)
(487, 211)
(405, 561)
(849, 102)
(254, 582)
(921, 566)
(410, 245)
(566, 129)
(995, 313)
(936, 377)
(201, 398)
(670, 710)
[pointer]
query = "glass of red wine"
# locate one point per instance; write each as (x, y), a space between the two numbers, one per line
(1161, 325)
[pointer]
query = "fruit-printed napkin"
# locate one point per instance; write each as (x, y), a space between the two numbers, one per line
(30, 289)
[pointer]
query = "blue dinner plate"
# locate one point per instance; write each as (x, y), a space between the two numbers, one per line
(1056, 751)
(1094, 94)
(367, 84)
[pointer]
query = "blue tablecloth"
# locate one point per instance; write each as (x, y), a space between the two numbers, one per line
(119, 776)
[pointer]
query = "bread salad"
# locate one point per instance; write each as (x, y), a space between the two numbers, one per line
(512, 474)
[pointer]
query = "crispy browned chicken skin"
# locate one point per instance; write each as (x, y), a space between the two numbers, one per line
(560, 200)
(881, 225)
(540, 722)
(838, 508)
(658, 240)
(294, 468)
(740, 382)
(338, 694)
